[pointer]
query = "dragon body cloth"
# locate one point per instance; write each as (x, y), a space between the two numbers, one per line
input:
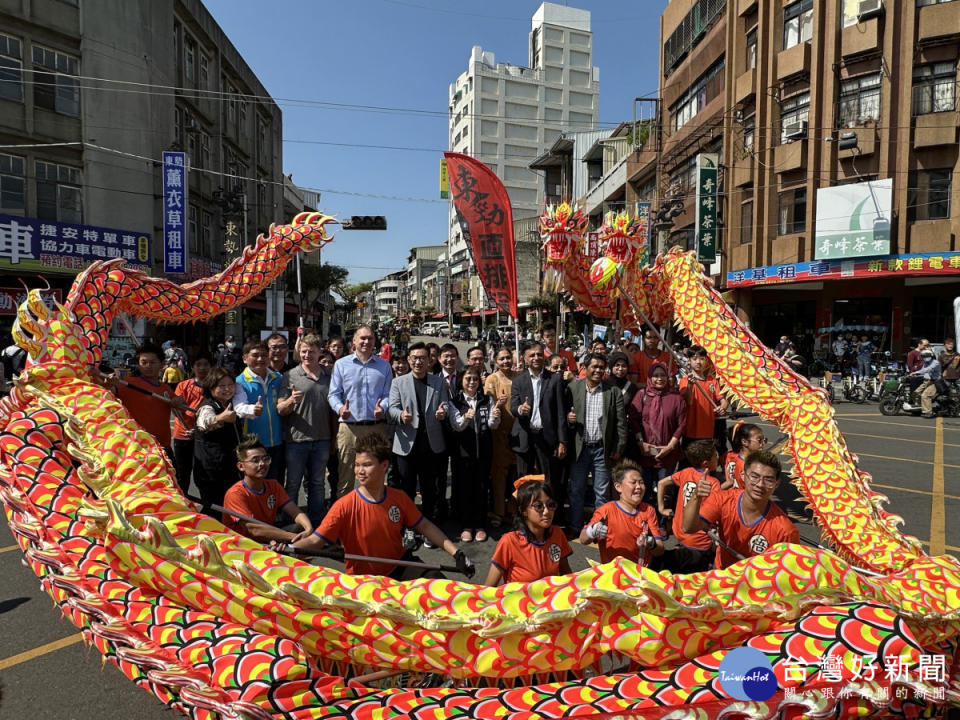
(215, 625)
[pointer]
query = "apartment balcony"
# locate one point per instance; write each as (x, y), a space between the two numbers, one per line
(787, 249)
(792, 156)
(928, 236)
(937, 21)
(745, 85)
(793, 61)
(608, 185)
(861, 38)
(745, 6)
(866, 142)
(935, 129)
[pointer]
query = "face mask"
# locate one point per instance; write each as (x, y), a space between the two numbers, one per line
(231, 345)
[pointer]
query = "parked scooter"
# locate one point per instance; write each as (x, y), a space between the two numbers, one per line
(897, 397)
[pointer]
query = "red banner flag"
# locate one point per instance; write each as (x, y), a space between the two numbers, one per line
(486, 220)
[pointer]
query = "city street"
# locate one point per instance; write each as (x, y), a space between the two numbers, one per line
(46, 671)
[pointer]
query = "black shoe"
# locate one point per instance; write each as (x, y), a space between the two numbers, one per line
(928, 415)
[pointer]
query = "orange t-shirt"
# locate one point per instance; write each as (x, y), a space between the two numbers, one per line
(733, 468)
(152, 414)
(261, 505)
(623, 529)
(192, 395)
(686, 480)
(640, 364)
(365, 527)
(700, 415)
(723, 509)
(522, 559)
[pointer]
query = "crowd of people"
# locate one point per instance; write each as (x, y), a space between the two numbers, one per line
(539, 447)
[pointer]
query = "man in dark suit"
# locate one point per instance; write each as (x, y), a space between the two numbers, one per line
(418, 408)
(538, 401)
(598, 424)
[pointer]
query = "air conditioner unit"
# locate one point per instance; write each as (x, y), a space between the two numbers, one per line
(795, 131)
(868, 9)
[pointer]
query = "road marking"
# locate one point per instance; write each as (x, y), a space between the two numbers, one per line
(918, 462)
(928, 493)
(8, 548)
(952, 548)
(937, 513)
(900, 439)
(41, 650)
(903, 424)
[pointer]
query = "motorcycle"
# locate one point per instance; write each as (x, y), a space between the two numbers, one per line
(897, 397)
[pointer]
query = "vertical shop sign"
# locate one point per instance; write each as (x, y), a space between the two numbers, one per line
(707, 207)
(175, 242)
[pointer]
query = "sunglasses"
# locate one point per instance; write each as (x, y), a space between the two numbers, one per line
(540, 507)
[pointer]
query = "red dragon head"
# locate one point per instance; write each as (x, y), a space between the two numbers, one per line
(622, 237)
(561, 229)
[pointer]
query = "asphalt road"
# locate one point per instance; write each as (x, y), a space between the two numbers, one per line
(45, 672)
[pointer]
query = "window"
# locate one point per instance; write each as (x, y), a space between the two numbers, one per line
(232, 105)
(752, 49)
(746, 223)
(535, 49)
(690, 31)
(192, 155)
(12, 183)
(11, 68)
(204, 150)
(859, 100)
(189, 58)
(794, 111)
(921, 3)
(797, 23)
(176, 44)
(192, 229)
(934, 87)
(262, 199)
(53, 87)
(58, 193)
(206, 234)
(706, 88)
(204, 72)
(243, 115)
(928, 196)
(792, 217)
(177, 124)
(749, 132)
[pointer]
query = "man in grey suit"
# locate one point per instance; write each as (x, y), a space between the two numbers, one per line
(418, 407)
(599, 427)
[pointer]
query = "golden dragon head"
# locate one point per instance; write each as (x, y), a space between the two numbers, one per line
(561, 229)
(622, 237)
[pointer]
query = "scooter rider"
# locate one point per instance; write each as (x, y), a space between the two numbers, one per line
(930, 372)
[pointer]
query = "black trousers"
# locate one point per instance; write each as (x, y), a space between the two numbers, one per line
(429, 470)
(540, 458)
(183, 462)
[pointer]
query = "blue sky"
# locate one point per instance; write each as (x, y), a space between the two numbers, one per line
(383, 68)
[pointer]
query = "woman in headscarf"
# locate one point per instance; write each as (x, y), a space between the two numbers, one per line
(657, 418)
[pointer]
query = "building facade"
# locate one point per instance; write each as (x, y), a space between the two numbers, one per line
(86, 83)
(506, 115)
(807, 102)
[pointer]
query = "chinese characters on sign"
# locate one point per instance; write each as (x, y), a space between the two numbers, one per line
(31, 244)
(643, 212)
(853, 220)
(707, 207)
(593, 245)
(12, 298)
(486, 220)
(175, 209)
(915, 264)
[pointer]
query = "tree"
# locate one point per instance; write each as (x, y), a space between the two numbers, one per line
(350, 293)
(316, 280)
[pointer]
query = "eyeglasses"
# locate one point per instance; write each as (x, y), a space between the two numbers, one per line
(259, 460)
(471, 378)
(768, 480)
(540, 507)
(417, 358)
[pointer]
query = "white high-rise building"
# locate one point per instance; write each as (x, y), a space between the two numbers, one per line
(506, 115)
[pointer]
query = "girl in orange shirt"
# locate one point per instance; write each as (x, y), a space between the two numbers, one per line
(747, 438)
(537, 548)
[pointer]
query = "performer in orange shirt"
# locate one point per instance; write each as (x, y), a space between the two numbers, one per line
(370, 519)
(548, 333)
(705, 402)
(694, 551)
(626, 527)
(747, 438)
(191, 390)
(640, 362)
(537, 548)
(260, 497)
(136, 393)
(748, 521)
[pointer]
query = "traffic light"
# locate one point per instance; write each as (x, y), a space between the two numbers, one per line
(365, 222)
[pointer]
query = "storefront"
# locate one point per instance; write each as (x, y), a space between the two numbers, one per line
(893, 297)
